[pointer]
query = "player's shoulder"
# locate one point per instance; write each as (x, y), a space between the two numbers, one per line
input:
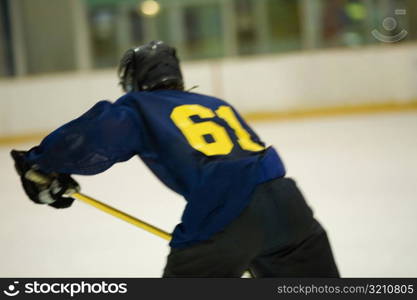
(189, 97)
(174, 97)
(205, 97)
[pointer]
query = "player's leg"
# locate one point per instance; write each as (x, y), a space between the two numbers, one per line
(226, 254)
(312, 257)
(295, 245)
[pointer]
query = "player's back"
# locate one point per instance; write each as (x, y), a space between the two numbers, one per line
(200, 147)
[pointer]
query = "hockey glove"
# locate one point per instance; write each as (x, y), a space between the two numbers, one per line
(44, 188)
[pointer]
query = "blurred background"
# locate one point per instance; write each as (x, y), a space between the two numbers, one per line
(295, 54)
(45, 36)
(312, 73)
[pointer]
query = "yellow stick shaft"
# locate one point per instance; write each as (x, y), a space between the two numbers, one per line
(121, 215)
(36, 177)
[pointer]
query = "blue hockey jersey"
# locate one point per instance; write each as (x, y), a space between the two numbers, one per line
(197, 145)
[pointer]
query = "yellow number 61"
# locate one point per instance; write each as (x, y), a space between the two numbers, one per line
(195, 132)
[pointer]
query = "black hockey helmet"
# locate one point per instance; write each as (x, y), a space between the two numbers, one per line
(150, 67)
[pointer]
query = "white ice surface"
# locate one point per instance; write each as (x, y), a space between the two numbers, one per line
(359, 174)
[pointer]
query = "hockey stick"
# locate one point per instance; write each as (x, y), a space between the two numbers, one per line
(128, 218)
(121, 215)
(41, 179)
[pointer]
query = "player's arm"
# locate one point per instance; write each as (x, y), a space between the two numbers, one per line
(106, 134)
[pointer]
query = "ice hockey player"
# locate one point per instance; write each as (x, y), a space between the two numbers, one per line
(242, 212)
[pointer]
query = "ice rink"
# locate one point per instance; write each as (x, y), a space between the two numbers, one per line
(359, 174)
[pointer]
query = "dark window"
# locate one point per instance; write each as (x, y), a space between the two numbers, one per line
(102, 22)
(284, 25)
(203, 31)
(6, 48)
(247, 36)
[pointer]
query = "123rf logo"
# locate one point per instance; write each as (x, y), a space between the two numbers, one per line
(392, 32)
(12, 290)
(62, 288)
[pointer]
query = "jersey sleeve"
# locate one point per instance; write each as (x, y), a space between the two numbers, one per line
(106, 134)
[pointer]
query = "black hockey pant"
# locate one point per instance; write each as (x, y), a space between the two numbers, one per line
(275, 236)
